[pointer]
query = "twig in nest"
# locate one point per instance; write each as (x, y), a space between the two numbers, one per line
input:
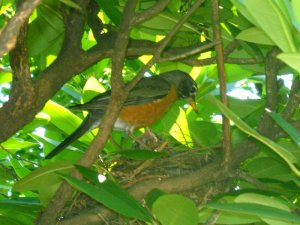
(147, 163)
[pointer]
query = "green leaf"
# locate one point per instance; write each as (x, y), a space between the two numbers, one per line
(228, 217)
(287, 127)
(65, 119)
(111, 10)
(109, 194)
(258, 210)
(45, 34)
(21, 212)
(243, 9)
(71, 4)
(175, 209)
(289, 158)
(269, 17)
(17, 144)
(44, 180)
(19, 168)
(291, 59)
(261, 200)
(204, 132)
(141, 154)
(296, 16)
(152, 196)
(180, 130)
(266, 167)
(255, 35)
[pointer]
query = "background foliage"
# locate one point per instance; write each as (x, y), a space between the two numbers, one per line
(72, 61)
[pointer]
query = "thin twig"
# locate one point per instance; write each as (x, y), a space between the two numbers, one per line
(209, 61)
(149, 13)
(147, 163)
(189, 52)
(222, 80)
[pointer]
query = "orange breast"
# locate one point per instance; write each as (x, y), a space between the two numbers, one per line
(144, 115)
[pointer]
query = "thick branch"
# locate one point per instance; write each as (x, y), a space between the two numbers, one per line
(9, 34)
(271, 69)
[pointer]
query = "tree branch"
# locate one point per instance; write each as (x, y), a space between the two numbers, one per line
(222, 81)
(294, 100)
(271, 69)
(149, 13)
(9, 34)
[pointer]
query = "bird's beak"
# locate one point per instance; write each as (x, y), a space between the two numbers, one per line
(192, 103)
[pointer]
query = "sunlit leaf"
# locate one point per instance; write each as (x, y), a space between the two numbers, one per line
(255, 35)
(291, 59)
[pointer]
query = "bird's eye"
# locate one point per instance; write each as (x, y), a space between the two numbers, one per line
(193, 90)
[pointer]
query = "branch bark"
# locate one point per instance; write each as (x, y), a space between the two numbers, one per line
(222, 82)
(9, 34)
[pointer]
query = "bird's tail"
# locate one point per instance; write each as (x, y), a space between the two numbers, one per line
(88, 124)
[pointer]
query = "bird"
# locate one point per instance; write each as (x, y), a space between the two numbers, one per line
(146, 103)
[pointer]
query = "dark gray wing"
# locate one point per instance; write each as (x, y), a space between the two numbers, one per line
(147, 90)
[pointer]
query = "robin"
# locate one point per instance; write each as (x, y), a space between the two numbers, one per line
(146, 103)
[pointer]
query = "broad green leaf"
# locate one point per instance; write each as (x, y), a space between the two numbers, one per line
(173, 209)
(266, 167)
(261, 200)
(291, 59)
(141, 154)
(243, 9)
(45, 33)
(296, 16)
(111, 195)
(270, 18)
(204, 132)
(287, 127)
(255, 35)
(44, 180)
(64, 119)
(261, 211)
(289, 158)
(42, 176)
